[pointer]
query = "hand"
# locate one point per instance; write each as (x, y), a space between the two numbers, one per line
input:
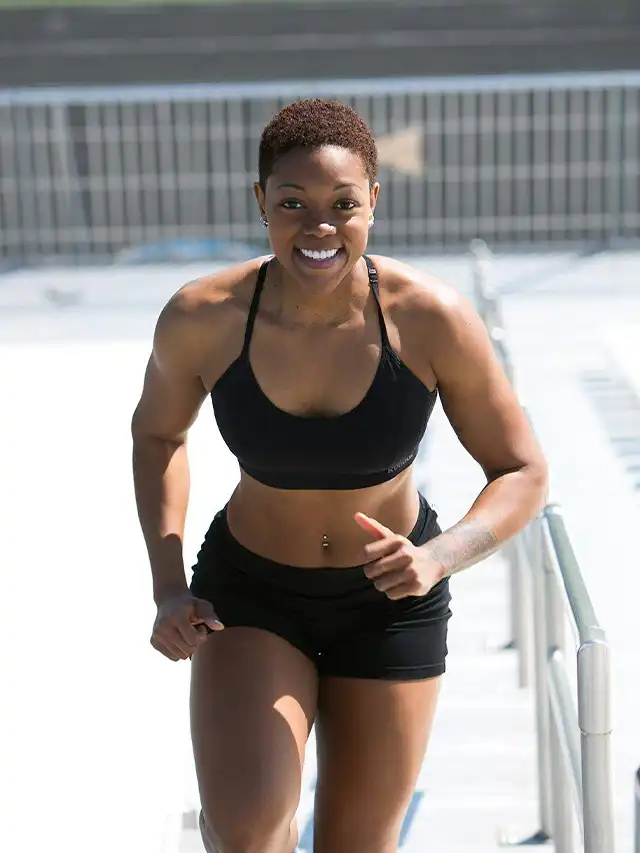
(183, 623)
(396, 566)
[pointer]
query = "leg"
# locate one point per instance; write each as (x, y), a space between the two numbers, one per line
(253, 700)
(372, 736)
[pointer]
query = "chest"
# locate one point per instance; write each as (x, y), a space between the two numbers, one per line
(315, 372)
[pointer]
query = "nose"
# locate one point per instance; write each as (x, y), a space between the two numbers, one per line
(317, 228)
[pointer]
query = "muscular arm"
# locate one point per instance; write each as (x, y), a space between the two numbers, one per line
(463, 545)
(490, 423)
(171, 398)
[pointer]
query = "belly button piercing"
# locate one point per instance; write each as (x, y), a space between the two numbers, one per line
(325, 540)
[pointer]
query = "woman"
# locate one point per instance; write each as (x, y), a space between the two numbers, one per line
(320, 593)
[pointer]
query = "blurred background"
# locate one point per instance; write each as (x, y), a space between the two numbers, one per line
(509, 140)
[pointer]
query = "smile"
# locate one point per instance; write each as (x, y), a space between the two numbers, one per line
(319, 260)
(319, 256)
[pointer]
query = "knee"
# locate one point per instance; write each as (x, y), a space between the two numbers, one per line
(250, 832)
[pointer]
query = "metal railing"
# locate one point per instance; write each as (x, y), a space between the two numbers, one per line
(486, 299)
(516, 159)
(637, 799)
(573, 733)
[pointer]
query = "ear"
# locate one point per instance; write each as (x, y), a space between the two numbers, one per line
(260, 198)
(373, 195)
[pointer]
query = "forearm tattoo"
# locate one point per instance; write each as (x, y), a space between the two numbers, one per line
(462, 545)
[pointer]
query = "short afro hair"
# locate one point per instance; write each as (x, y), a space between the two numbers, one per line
(314, 123)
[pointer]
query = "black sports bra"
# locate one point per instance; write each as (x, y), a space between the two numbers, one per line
(363, 447)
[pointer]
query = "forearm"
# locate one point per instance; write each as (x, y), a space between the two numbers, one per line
(161, 482)
(501, 510)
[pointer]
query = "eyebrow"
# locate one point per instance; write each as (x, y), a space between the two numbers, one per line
(298, 187)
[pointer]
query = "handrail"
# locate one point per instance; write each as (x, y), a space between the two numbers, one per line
(486, 300)
(637, 798)
(588, 733)
(581, 606)
(573, 746)
(97, 94)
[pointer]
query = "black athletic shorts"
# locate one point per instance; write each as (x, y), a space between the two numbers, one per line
(335, 616)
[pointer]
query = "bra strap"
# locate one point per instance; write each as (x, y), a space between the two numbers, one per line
(375, 287)
(253, 309)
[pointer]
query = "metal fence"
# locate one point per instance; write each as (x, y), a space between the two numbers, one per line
(515, 160)
(572, 737)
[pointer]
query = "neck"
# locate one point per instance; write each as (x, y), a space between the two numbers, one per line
(299, 307)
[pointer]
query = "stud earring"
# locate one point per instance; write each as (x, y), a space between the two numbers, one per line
(263, 221)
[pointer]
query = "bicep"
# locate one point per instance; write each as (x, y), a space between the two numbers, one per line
(476, 395)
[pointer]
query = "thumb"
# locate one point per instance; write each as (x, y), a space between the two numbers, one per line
(205, 614)
(372, 526)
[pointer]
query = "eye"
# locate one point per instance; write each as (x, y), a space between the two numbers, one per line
(291, 204)
(346, 204)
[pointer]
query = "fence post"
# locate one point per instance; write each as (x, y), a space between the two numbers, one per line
(615, 162)
(594, 717)
(481, 258)
(513, 550)
(637, 792)
(555, 640)
(542, 708)
(486, 301)
(520, 581)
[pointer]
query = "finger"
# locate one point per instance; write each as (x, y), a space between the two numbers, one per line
(392, 562)
(210, 625)
(203, 632)
(173, 639)
(371, 525)
(390, 580)
(168, 632)
(403, 590)
(182, 652)
(186, 631)
(205, 615)
(164, 649)
(383, 547)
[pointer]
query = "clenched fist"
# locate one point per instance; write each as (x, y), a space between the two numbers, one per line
(182, 623)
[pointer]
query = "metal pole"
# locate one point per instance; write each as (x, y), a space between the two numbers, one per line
(594, 718)
(499, 340)
(519, 599)
(561, 802)
(616, 162)
(76, 220)
(565, 716)
(637, 841)
(486, 300)
(28, 234)
(508, 552)
(481, 256)
(543, 740)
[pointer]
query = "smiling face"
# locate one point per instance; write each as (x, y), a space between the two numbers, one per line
(318, 204)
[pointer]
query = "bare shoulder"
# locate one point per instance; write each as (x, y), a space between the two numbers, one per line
(204, 318)
(409, 289)
(430, 315)
(215, 296)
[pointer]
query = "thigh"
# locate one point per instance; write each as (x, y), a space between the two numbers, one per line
(371, 737)
(253, 701)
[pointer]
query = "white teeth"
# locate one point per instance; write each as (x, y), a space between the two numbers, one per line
(320, 256)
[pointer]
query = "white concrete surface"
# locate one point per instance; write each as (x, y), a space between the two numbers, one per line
(94, 750)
